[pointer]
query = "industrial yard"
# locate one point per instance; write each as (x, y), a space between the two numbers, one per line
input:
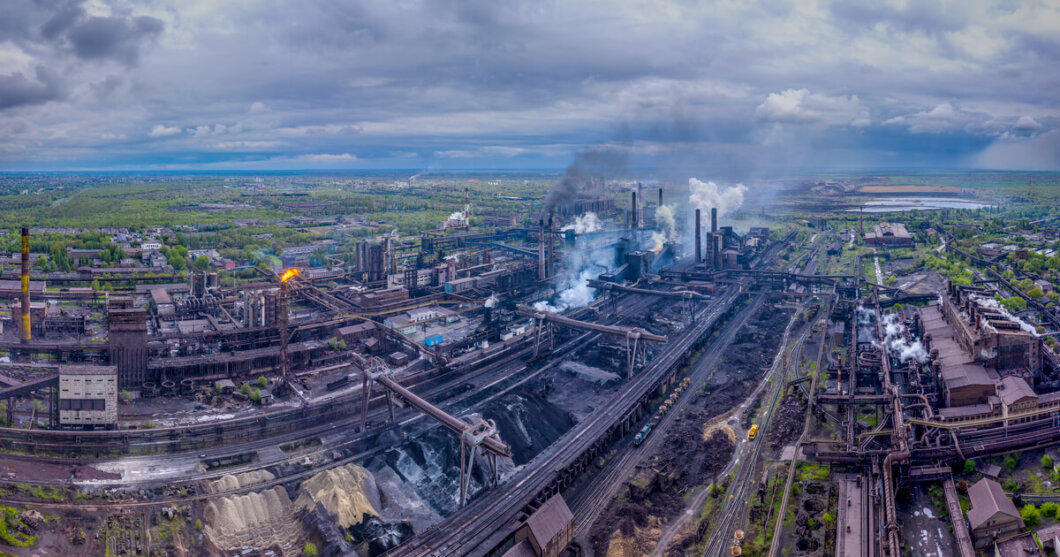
(600, 375)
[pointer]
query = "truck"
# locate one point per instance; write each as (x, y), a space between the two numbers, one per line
(751, 433)
(642, 435)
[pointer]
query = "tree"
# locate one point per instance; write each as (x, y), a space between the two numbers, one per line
(245, 388)
(1047, 461)
(263, 382)
(1031, 516)
(255, 396)
(1014, 304)
(1049, 510)
(310, 550)
(179, 263)
(828, 518)
(1011, 461)
(202, 263)
(969, 466)
(1035, 293)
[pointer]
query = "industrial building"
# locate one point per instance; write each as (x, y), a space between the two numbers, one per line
(889, 234)
(88, 395)
(993, 517)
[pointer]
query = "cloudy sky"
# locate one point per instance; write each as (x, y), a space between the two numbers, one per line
(742, 87)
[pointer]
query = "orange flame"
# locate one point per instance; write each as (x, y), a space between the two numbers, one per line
(289, 273)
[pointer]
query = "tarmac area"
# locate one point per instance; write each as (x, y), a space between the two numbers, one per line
(925, 533)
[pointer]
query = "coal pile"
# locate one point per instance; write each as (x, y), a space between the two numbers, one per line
(527, 422)
(658, 488)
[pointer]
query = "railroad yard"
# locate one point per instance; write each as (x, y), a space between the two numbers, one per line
(620, 372)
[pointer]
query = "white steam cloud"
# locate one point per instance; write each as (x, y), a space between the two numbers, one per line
(705, 195)
(895, 340)
(585, 224)
(664, 221)
(994, 305)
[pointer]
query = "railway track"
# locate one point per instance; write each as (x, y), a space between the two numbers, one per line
(590, 502)
(487, 522)
(508, 379)
(734, 511)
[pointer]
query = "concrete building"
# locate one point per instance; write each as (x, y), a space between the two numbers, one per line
(1016, 395)
(88, 395)
(984, 331)
(993, 516)
(964, 381)
(887, 234)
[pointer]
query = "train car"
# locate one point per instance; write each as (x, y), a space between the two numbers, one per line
(642, 435)
(751, 433)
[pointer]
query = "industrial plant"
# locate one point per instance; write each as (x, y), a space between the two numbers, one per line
(621, 368)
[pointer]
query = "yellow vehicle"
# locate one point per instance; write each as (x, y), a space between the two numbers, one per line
(752, 432)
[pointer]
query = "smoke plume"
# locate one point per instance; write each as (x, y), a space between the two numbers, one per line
(705, 195)
(599, 162)
(665, 223)
(585, 224)
(895, 340)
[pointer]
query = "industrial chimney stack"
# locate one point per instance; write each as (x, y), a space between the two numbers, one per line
(660, 197)
(633, 219)
(542, 273)
(699, 239)
(467, 206)
(25, 285)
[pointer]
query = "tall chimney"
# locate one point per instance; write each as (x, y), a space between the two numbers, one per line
(714, 220)
(660, 196)
(549, 271)
(640, 210)
(542, 273)
(25, 285)
(699, 241)
(634, 217)
(716, 238)
(467, 206)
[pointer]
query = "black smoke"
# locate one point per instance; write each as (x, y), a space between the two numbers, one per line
(599, 162)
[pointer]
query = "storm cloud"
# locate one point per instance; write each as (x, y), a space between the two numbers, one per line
(731, 87)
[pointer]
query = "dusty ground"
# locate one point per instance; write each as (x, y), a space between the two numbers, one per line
(655, 494)
(16, 469)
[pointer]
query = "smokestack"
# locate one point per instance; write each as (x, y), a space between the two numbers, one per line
(716, 238)
(660, 196)
(714, 220)
(549, 271)
(25, 285)
(542, 272)
(640, 211)
(467, 206)
(699, 241)
(633, 219)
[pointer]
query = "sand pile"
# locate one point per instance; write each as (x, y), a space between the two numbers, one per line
(257, 519)
(347, 492)
(231, 482)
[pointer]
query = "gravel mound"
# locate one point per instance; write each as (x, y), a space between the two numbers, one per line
(231, 482)
(348, 492)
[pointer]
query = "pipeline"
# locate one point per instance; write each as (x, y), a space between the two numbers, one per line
(888, 503)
